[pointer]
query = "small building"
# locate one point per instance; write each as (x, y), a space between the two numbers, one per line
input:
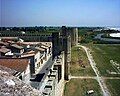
(4, 51)
(16, 48)
(4, 43)
(22, 66)
(5, 39)
(36, 60)
(48, 45)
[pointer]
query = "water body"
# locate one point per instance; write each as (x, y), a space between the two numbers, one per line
(115, 34)
(114, 28)
(106, 39)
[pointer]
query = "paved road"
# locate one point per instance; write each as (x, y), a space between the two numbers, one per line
(98, 76)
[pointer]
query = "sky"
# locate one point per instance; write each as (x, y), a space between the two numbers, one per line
(59, 13)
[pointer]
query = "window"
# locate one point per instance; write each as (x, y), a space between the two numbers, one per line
(37, 65)
(36, 60)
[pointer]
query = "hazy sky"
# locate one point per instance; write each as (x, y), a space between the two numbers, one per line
(60, 12)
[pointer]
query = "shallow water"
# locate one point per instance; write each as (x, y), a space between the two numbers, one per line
(106, 39)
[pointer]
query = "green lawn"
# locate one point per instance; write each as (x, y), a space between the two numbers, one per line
(79, 61)
(102, 54)
(79, 87)
(114, 86)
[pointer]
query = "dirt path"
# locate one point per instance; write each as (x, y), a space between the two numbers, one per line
(98, 76)
(111, 77)
(82, 77)
(91, 77)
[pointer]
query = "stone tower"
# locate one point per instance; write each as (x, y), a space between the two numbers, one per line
(55, 44)
(62, 42)
(66, 43)
(74, 36)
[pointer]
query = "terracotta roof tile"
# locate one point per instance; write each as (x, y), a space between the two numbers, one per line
(44, 47)
(4, 50)
(4, 43)
(17, 46)
(40, 49)
(47, 44)
(28, 54)
(19, 65)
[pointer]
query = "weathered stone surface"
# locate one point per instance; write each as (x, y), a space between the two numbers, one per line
(13, 86)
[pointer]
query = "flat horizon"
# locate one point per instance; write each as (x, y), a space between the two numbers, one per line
(95, 13)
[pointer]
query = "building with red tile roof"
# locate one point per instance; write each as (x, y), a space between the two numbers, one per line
(19, 65)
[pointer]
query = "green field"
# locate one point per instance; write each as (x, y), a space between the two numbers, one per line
(80, 65)
(102, 54)
(114, 86)
(87, 35)
(79, 87)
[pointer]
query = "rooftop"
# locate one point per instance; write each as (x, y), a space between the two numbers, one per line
(28, 54)
(30, 43)
(44, 47)
(4, 43)
(17, 46)
(40, 49)
(4, 50)
(9, 38)
(19, 65)
(47, 44)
